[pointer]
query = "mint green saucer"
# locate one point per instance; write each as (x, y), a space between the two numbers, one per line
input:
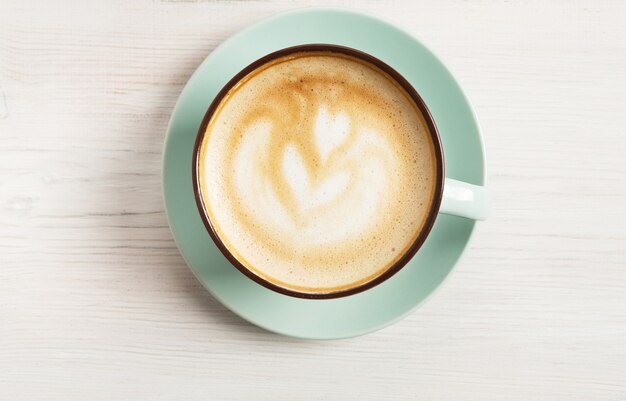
(396, 297)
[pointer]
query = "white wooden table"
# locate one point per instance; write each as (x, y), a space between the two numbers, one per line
(96, 302)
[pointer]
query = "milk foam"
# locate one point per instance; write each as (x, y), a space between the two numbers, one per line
(317, 172)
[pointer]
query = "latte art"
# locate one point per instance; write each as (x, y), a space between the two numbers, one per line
(317, 172)
(308, 192)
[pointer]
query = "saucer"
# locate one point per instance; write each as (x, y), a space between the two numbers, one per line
(405, 291)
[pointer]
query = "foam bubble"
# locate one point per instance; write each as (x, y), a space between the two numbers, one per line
(317, 172)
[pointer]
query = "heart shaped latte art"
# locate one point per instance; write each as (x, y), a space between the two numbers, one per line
(321, 181)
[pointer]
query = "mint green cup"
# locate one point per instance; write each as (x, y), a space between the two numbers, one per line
(450, 196)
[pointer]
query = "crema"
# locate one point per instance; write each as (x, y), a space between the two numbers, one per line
(317, 171)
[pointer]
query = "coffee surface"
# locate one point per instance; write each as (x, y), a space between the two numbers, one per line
(317, 171)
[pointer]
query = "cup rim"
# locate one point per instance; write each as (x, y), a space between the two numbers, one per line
(439, 167)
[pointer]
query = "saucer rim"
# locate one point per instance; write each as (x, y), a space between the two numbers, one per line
(179, 104)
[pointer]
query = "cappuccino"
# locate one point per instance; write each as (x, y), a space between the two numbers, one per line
(317, 171)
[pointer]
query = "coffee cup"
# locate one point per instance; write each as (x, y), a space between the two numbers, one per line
(318, 172)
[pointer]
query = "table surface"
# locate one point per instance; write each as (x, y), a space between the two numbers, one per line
(97, 303)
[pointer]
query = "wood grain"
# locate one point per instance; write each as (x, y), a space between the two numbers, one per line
(96, 302)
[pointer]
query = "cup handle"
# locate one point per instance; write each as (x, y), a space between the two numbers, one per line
(465, 200)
